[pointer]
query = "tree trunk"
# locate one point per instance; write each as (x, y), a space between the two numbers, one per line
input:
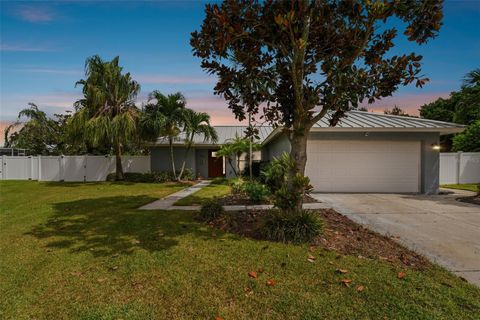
(183, 163)
(298, 152)
(118, 163)
(172, 158)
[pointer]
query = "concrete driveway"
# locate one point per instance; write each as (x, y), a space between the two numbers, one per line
(443, 229)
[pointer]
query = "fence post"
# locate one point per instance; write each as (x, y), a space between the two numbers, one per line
(31, 168)
(61, 168)
(39, 168)
(4, 168)
(459, 166)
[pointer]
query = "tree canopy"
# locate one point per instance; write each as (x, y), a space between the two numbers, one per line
(107, 113)
(296, 61)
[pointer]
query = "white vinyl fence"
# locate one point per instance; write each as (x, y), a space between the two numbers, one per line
(68, 168)
(459, 167)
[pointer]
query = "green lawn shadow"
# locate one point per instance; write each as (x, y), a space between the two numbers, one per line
(113, 225)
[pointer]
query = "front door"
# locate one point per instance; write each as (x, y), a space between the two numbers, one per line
(215, 165)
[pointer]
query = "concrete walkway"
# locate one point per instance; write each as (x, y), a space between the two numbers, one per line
(167, 203)
(440, 227)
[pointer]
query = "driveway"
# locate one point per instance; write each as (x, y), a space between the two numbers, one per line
(443, 229)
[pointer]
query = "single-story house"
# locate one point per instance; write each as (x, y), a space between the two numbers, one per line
(364, 152)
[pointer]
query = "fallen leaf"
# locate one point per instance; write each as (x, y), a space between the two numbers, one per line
(360, 288)
(330, 262)
(271, 282)
(76, 273)
(342, 270)
(311, 258)
(114, 268)
(248, 291)
(101, 280)
(311, 249)
(218, 318)
(401, 275)
(135, 241)
(252, 274)
(346, 282)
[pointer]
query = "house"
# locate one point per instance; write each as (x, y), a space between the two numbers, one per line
(364, 152)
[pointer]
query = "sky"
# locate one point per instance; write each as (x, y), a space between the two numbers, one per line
(43, 47)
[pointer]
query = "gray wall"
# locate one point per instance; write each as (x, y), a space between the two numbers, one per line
(201, 162)
(276, 147)
(430, 159)
(160, 159)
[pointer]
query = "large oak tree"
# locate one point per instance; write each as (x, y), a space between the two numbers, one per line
(310, 59)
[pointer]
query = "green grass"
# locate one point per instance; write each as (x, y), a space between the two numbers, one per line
(82, 251)
(218, 188)
(469, 186)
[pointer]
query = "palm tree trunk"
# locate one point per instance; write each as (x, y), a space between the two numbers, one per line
(172, 159)
(184, 161)
(119, 176)
(189, 144)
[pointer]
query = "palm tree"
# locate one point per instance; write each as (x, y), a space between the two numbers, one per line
(163, 117)
(107, 114)
(196, 124)
(236, 147)
(472, 78)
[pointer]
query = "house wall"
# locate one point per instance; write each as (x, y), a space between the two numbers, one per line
(430, 159)
(201, 162)
(160, 159)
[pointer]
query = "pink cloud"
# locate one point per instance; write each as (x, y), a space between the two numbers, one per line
(408, 102)
(155, 79)
(18, 47)
(35, 14)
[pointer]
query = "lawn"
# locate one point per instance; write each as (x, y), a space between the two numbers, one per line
(468, 186)
(82, 251)
(218, 188)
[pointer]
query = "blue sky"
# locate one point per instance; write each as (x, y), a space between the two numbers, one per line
(43, 47)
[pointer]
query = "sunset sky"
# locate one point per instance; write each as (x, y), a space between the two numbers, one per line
(44, 46)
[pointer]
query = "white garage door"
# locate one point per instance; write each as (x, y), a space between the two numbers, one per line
(364, 166)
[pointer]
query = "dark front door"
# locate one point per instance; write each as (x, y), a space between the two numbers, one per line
(215, 165)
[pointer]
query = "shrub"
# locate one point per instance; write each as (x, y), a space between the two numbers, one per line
(238, 185)
(134, 177)
(187, 174)
(162, 176)
(255, 191)
(296, 227)
(211, 209)
(275, 174)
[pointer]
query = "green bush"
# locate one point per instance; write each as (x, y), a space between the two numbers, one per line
(151, 177)
(134, 177)
(211, 209)
(296, 227)
(255, 191)
(238, 185)
(276, 177)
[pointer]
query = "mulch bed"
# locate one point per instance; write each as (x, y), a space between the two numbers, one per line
(340, 234)
(242, 199)
(474, 200)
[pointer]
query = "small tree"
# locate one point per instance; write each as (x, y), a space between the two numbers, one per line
(235, 147)
(107, 114)
(396, 111)
(196, 124)
(310, 59)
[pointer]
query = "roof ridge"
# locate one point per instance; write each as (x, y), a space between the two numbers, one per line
(403, 117)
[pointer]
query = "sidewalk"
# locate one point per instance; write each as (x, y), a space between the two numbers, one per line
(167, 202)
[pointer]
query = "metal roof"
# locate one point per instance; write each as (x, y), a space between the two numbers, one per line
(353, 121)
(369, 120)
(224, 133)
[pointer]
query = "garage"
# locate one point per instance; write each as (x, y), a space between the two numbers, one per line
(364, 166)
